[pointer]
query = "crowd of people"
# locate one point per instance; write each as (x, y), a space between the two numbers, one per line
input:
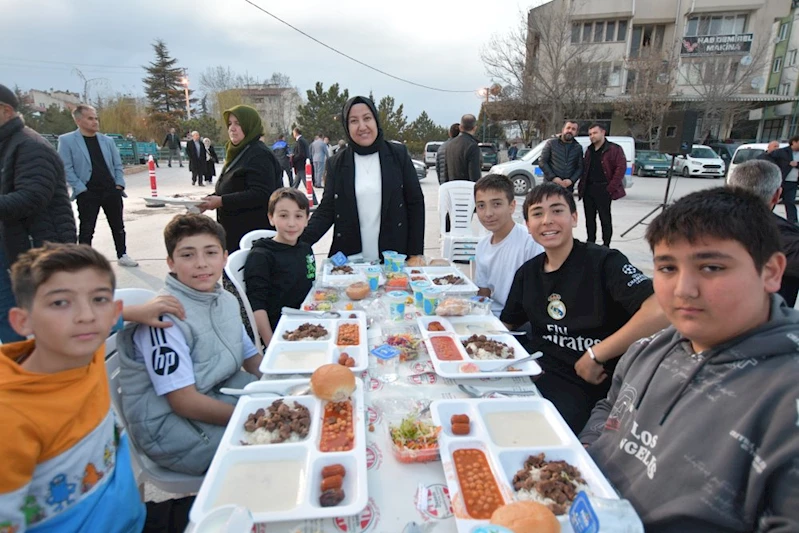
(683, 387)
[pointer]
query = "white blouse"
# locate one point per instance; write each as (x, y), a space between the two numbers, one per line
(369, 200)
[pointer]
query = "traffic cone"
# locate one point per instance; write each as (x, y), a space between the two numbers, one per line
(309, 192)
(153, 202)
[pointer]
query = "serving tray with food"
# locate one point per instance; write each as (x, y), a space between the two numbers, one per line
(447, 279)
(462, 325)
(346, 274)
(291, 458)
(300, 345)
(478, 356)
(498, 451)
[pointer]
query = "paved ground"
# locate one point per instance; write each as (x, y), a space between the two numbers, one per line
(145, 225)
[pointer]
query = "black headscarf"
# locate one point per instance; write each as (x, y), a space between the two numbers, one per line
(345, 113)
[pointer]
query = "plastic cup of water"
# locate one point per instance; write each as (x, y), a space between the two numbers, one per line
(396, 304)
(398, 262)
(430, 297)
(373, 277)
(418, 288)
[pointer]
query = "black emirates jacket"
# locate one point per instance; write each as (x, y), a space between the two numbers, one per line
(561, 160)
(34, 201)
(402, 213)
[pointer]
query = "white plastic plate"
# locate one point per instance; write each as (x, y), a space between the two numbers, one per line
(304, 453)
(452, 369)
(505, 461)
(311, 354)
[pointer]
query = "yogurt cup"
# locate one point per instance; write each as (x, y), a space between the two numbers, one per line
(396, 304)
(398, 262)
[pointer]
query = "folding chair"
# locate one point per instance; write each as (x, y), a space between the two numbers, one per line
(246, 242)
(456, 199)
(235, 272)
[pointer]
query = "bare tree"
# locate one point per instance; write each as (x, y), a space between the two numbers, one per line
(716, 80)
(651, 78)
(540, 68)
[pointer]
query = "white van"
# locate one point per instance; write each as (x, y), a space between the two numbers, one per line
(702, 162)
(745, 152)
(430, 150)
(525, 174)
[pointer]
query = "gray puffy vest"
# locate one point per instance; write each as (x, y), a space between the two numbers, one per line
(213, 333)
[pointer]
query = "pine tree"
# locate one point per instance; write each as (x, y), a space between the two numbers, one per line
(163, 87)
(320, 114)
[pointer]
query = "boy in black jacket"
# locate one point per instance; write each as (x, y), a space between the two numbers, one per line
(280, 271)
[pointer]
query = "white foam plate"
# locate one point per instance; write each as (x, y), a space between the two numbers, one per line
(280, 352)
(475, 324)
(343, 280)
(188, 202)
(467, 287)
(506, 461)
(451, 369)
(306, 452)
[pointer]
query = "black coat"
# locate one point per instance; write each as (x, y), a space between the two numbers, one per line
(781, 157)
(441, 162)
(301, 153)
(562, 160)
(245, 188)
(464, 161)
(34, 202)
(210, 166)
(789, 234)
(196, 161)
(402, 213)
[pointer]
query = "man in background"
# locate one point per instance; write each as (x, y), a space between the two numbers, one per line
(463, 157)
(441, 158)
(318, 150)
(195, 151)
(561, 159)
(172, 142)
(301, 153)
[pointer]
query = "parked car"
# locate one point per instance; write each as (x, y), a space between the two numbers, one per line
(701, 162)
(490, 155)
(725, 151)
(651, 163)
(748, 151)
(525, 174)
(430, 150)
(421, 168)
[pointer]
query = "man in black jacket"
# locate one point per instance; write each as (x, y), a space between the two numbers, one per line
(441, 159)
(298, 158)
(561, 159)
(787, 159)
(195, 152)
(34, 202)
(172, 142)
(763, 178)
(463, 157)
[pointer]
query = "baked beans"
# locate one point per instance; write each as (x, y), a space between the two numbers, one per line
(338, 433)
(478, 486)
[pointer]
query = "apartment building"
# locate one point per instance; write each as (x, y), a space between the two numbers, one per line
(41, 100)
(780, 121)
(720, 50)
(276, 105)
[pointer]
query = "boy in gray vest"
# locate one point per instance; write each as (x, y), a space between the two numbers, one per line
(171, 377)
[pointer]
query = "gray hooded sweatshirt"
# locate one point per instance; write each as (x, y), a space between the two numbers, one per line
(706, 442)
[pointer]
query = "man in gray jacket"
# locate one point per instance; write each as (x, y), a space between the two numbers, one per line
(699, 430)
(441, 155)
(561, 159)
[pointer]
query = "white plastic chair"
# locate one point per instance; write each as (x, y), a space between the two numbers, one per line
(235, 272)
(143, 467)
(456, 199)
(246, 242)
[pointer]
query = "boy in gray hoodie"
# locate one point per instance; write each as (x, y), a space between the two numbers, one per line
(700, 429)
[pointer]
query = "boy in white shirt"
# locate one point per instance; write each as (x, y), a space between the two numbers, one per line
(509, 245)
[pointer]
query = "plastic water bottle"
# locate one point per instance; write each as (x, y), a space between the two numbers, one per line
(590, 514)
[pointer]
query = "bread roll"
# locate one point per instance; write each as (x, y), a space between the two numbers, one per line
(333, 382)
(439, 262)
(526, 517)
(415, 261)
(358, 290)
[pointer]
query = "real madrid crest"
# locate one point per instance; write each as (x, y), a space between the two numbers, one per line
(556, 309)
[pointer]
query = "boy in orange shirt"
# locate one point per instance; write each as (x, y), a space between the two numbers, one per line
(66, 465)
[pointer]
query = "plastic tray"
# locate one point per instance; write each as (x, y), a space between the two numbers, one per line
(306, 453)
(467, 287)
(505, 461)
(325, 350)
(474, 324)
(451, 369)
(343, 280)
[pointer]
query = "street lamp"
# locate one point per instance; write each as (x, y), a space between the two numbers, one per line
(185, 82)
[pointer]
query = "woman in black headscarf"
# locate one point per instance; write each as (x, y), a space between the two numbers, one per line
(372, 195)
(250, 175)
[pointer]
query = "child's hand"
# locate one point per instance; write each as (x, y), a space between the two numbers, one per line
(150, 313)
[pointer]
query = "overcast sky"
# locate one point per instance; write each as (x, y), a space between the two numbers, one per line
(434, 42)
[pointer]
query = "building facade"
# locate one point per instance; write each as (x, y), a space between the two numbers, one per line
(40, 100)
(276, 105)
(717, 57)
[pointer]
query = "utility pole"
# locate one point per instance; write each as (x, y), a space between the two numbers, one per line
(185, 82)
